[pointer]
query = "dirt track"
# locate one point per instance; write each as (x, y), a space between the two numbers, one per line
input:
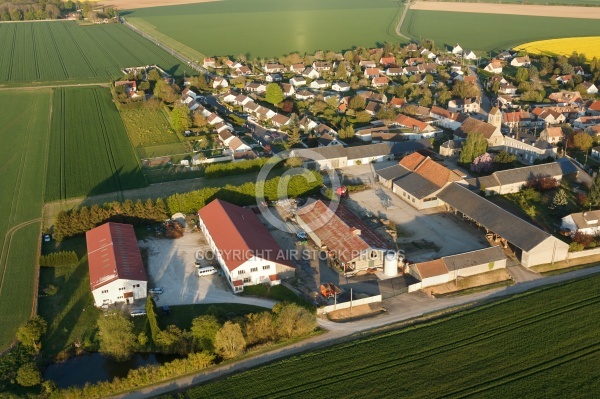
(129, 5)
(510, 9)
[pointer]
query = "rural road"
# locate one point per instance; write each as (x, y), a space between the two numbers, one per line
(400, 308)
(486, 103)
(404, 12)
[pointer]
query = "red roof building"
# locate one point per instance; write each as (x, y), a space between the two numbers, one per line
(117, 273)
(243, 246)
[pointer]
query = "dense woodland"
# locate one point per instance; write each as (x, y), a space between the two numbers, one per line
(28, 10)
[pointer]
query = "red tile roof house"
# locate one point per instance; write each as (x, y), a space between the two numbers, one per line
(117, 273)
(243, 246)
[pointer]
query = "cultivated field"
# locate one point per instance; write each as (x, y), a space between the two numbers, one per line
(265, 28)
(63, 51)
(480, 32)
(148, 127)
(512, 9)
(587, 3)
(541, 344)
(24, 133)
(90, 152)
(590, 46)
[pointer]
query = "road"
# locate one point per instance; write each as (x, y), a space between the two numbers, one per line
(400, 308)
(486, 103)
(401, 21)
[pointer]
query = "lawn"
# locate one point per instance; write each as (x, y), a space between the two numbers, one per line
(24, 135)
(476, 32)
(147, 127)
(90, 152)
(537, 344)
(268, 28)
(63, 51)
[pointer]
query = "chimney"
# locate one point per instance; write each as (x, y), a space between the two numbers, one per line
(355, 232)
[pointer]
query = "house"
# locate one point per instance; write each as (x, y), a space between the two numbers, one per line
(209, 63)
(447, 119)
(311, 73)
(372, 108)
(244, 156)
(592, 108)
(340, 87)
(214, 119)
(418, 129)
(372, 96)
(273, 68)
(243, 246)
(217, 82)
(593, 131)
(242, 71)
(521, 62)
(117, 273)
(304, 95)
(578, 69)
(531, 245)
(547, 116)
(372, 73)
(397, 102)
(350, 244)
(469, 55)
(472, 125)
(394, 71)
(238, 145)
(130, 87)
(552, 135)
(467, 105)
(564, 79)
(507, 88)
(233, 64)
(254, 87)
(297, 81)
(516, 119)
(496, 79)
(583, 222)
(457, 50)
(430, 273)
(512, 180)
(307, 124)
(422, 180)
(280, 120)
(565, 97)
(495, 66)
(451, 148)
(321, 66)
(327, 140)
(387, 61)
(367, 64)
(274, 77)
(229, 97)
(586, 121)
(380, 81)
(528, 148)
(319, 84)
(590, 88)
(339, 157)
(225, 137)
(443, 60)
(297, 68)
(288, 89)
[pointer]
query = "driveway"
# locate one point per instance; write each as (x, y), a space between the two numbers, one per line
(171, 266)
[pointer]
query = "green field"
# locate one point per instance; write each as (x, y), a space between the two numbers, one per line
(24, 134)
(266, 28)
(543, 344)
(480, 31)
(90, 152)
(148, 127)
(594, 3)
(61, 51)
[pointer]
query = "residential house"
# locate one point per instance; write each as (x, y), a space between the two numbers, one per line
(387, 61)
(372, 96)
(372, 108)
(327, 140)
(521, 62)
(217, 82)
(596, 150)
(469, 55)
(307, 124)
(319, 84)
(447, 119)
(547, 116)
(372, 73)
(419, 129)
(472, 125)
(379, 81)
(243, 246)
(495, 66)
(280, 120)
(350, 244)
(584, 122)
(254, 87)
(587, 222)
(310, 73)
(552, 135)
(225, 136)
(590, 88)
(593, 108)
(457, 50)
(528, 148)
(339, 156)
(297, 68)
(117, 272)
(304, 95)
(130, 88)
(209, 63)
(397, 102)
(340, 87)
(467, 105)
(273, 68)
(565, 97)
(367, 64)
(321, 66)
(516, 119)
(274, 77)
(396, 71)
(242, 71)
(229, 97)
(451, 148)
(297, 81)
(214, 119)
(508, 88)
(564, 79)
(288, 89)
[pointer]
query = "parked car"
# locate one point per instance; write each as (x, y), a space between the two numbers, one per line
(302, 235)
(135, 313)
(206, 271)
(157, 290)
(166, 310)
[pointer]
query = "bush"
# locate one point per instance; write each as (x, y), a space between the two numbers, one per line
(57, 259)
(29, 375)
(542, 183)
(583, 239)
(234, 168)
(576, 247)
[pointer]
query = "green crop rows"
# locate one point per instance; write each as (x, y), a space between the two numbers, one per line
(89, 151)
(478, 31)
(267, 28)
(542, 344)
(24, 137)
(62, 51)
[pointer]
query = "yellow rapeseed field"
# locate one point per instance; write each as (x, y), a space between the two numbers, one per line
(590, 46)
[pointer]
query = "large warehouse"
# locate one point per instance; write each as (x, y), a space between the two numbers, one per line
(531, 245)
(243, 246)
(117, 272)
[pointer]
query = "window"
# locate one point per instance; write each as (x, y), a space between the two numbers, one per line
(105, 292)
(247, 279)
(266, 267)
(241, 271)
(413, 200)
(254, 269)
(373, 254)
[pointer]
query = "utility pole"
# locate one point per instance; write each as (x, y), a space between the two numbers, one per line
(350, 300)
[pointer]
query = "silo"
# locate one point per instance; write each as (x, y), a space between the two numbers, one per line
(390, 264)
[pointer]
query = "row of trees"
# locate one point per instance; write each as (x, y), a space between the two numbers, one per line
(234, 168)
(58, 259)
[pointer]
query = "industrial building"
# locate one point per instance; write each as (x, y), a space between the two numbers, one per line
(243, 246)
(117, 273)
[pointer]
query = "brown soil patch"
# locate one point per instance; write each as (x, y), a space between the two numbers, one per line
(130, 5)
(510, 9)
(357, 311)
(477, 280)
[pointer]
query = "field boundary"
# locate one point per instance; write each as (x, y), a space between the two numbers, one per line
(534, 10)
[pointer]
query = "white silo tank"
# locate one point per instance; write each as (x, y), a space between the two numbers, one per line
(390, 264)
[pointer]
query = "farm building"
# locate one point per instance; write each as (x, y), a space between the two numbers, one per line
(243, 246)
(430, 273)
(513, 180)
(531, 245)
(117, 272)
(350, 243)
(337, 156)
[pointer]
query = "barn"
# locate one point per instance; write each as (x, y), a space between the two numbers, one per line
(117, 273)
(243, 246)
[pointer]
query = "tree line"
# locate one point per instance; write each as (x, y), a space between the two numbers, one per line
(58, 259)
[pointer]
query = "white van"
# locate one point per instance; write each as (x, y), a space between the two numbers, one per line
(206, 271)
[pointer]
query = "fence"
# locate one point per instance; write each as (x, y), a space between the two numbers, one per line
(415, 287)
(582, 254)
(346, 305)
